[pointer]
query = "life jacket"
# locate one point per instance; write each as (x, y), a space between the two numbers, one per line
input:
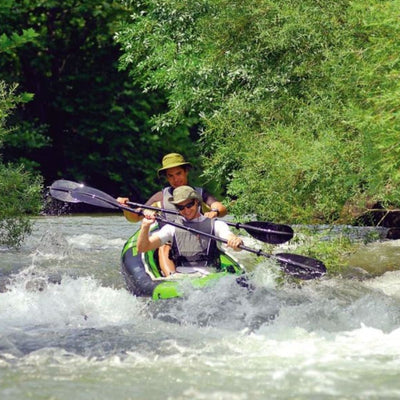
(193, 250)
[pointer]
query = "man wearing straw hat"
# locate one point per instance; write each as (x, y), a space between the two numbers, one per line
(176, 170)
(192, 252)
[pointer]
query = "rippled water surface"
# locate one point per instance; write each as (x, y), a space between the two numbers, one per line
(70, 330)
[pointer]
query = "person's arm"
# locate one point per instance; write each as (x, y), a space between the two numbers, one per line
(146, 242)
(154, 201)
(133, 217)
(156, 198)
(222, 230)
(234, 242)
(130, 216)
(217, 209)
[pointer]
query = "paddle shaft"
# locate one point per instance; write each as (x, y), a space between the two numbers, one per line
(189, 229)
(68, 191)
(237, 225)
(195, 231)
(209, 235)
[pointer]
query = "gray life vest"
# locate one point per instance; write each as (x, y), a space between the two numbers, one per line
(193, 250)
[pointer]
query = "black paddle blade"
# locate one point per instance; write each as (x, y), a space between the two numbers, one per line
(301, 267)
(95, 197)
(268, 232)
(62, 189)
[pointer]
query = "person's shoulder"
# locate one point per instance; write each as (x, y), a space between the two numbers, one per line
(220, 223)
(208, 198)
(156, 197)
(166, 230)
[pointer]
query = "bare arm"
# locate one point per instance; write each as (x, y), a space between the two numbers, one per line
(219, 209)
(133, 217)
(146, 242)
(222, 211)
(234, 242)
(156, 198)
(222, 230)
(130, 216)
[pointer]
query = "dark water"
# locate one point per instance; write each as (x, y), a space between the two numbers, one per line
(70, 330)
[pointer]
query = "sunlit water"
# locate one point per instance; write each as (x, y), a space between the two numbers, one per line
(70, 330)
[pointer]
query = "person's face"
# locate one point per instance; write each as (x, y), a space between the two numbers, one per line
(177, 176)
(188, 208)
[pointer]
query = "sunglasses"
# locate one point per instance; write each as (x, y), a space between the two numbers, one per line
(188, 205)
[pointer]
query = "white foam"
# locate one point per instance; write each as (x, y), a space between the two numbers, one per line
(73, 302)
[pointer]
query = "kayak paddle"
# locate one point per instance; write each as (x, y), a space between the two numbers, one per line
(264, 231)
(267, 232)
(296, 265)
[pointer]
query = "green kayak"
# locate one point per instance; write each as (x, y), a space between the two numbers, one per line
(144, 279)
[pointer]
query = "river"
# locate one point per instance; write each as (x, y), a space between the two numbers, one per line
(70, 330)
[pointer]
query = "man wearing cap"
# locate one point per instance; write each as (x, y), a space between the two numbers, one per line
(190, 252)
(176, 169)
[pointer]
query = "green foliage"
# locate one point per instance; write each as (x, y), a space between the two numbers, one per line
(7, 103)
(377, 114)
(292, 104)
(10, 44)
(20, 196)
(296, 102)
(20, 192)
(87, 120)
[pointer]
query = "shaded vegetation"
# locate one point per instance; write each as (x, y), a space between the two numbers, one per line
(296, 100)
(87, 120)
(20, 190)
(20, 196)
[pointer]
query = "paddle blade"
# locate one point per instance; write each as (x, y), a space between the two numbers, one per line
(300, 266)
(269, 232)
(95, 197)
(62, 189)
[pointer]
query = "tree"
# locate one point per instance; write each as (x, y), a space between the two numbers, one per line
(289, 97)
(88, 121)
(20, 191)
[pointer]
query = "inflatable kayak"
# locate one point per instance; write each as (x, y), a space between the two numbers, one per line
(143, 276)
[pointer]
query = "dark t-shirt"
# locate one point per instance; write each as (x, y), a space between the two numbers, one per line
(157, 197)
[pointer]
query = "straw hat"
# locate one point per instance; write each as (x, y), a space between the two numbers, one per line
(172, 160)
